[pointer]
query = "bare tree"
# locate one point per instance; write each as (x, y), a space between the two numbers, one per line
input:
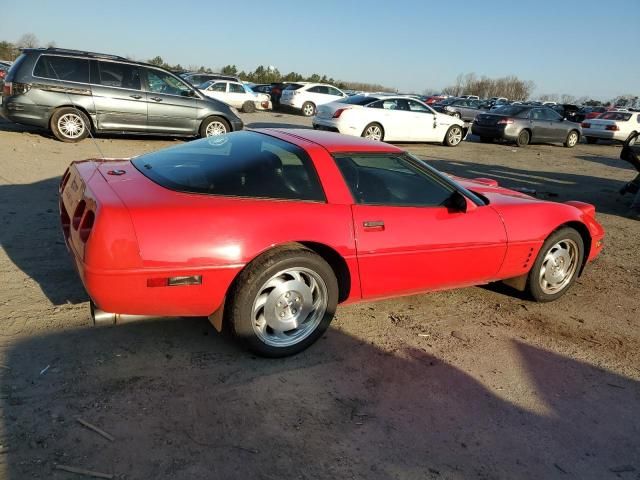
(510, 87)
(28, 40)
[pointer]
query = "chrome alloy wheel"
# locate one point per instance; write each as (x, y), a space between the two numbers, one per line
(559, 266)
(71, 125)
(454, 137)
(215, 128)
(373, 132)
(308, 110)
(289, 307)
(572, 140)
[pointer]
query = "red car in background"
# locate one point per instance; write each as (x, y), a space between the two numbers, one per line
(267, 231)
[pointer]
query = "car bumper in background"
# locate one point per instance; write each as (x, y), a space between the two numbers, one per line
(332, 125)
(603, 134)
(507, 132)
(25, 113)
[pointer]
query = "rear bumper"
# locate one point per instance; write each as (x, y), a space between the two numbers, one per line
(603, 134)
(507, 132)
(26, 113)
(330, 125)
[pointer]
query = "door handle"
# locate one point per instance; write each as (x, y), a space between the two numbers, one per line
(373, 225)
(156, 99)
(137, 97)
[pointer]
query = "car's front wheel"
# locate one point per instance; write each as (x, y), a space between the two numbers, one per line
(214, 126)
(308, 109)
(70, 125)
(283, 302)
(556, 266)
(454, 136)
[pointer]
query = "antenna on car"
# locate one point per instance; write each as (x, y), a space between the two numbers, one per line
(73, 104)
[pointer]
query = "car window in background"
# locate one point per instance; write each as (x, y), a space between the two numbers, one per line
(62, 68)
(358, 100)
(162, 82)
(390, 180)
(334, 91)
(241, 164)
(417, 107)
(118, 75)
(513, 111)
(218, 87)
(549, 114)
(294, 86)
(248, 89)
(205, 85)
(235, 88)
(619, 116)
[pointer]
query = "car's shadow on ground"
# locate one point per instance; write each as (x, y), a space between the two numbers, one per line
(185, 403)
(552, 185)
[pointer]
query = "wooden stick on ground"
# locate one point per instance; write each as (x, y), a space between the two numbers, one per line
(82, 471)
(95, 429)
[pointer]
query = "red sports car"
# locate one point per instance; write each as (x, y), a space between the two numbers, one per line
(266, 231)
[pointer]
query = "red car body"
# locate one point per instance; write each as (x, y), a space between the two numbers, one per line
(127, 234)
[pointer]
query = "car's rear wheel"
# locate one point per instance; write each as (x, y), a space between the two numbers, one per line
(523, 138)
(283, 302)
(453, 136)
(630, 140)
(214, 126)
(308, 109)
(70, 125)
(572, 139)
(591, 140)
(248, 107)
(373, 131)
(556, 266)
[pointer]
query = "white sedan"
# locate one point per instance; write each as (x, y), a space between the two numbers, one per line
(389, 118)
(615, 125)
(237, 95)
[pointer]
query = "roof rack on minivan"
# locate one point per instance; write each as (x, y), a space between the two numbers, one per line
(79, 52)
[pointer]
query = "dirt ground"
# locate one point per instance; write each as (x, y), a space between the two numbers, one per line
(475, 383)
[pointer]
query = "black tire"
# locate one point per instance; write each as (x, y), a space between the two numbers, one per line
(240, 313)
(570, 237)
(591, 140)
(248, 107)
(486, 140)
(569, 141)
(217, 123)
(454, 136)
(370, 132)
(628, 140)
(523, 138)
(63, 121)
(308, 109)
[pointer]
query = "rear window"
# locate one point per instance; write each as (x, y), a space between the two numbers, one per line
(358, 100)
(62, 68)
(618, 116)
(294, 86)
(513, 111)
(240, 164)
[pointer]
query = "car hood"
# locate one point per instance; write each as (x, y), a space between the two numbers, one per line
(497, 195)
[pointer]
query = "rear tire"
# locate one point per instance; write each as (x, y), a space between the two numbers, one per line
(214, 126)
(69, 125)
(572, 139)
(556, 266)
(308, 109)
(454, 136)
(248, 107)
(523, 138)
(373, 131)
(591, 140)
(287, 287)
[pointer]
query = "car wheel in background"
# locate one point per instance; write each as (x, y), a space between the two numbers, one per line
(630, 140)
(283, 301)
(572, 139)
(213, 126)
(456, 114)
(373, 131)
(453, 136)
(308, 109)
(69, 125)
(556, 266)
(523, 138)
(248, 107)
(591, 140)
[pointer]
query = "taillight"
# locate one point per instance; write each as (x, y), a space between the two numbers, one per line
(614, 128)
(6, 90)
(2, 73)
(338, 112)
(505, 121)
(585, 125)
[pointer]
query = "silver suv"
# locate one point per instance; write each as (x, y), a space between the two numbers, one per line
(72, 92)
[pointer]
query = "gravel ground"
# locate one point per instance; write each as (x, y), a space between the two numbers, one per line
(472, 383)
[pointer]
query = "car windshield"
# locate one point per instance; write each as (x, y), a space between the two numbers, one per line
(358, 100)
(618, 116)
(205, 85)
(239, 164)
(248, 89)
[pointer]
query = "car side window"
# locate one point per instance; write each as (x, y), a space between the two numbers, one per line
(218, 87)
(235, 88)
(119, 75)
(163, 82)
(314, 90)
(536, 114)
(334, 91)
(548, 114)
(418, 107)
(391, 180)
(62, 68)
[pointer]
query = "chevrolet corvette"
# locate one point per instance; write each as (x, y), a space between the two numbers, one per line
(267, 231)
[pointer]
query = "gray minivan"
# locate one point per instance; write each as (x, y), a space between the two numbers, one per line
(70, 92)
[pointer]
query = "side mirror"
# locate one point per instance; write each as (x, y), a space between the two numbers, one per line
(459, 203)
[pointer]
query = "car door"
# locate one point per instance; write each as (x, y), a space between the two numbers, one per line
(395, 123)
(539, 125)
(118, 96)
(557, 127)
(318, 95)
(408, 239)
(236, 95)
(218, 90)
(422, 123)
(172, 105)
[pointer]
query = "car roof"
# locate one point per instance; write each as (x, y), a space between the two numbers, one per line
(332, 142)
